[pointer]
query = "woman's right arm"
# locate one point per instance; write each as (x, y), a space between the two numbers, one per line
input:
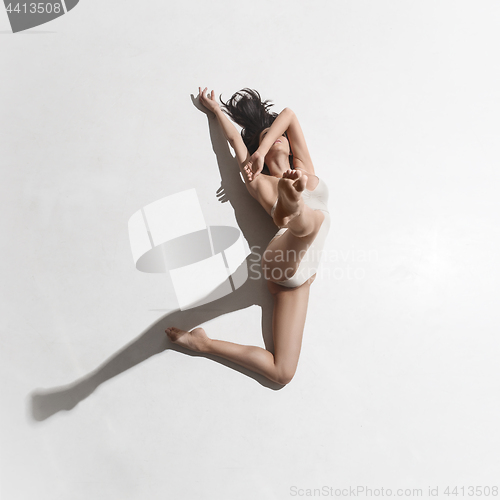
(232, 135)
(287, 122)
(261, 188)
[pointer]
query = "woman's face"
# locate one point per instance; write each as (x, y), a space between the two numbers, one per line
(280, 144)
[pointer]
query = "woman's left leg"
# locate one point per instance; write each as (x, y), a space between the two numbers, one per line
(289, 315)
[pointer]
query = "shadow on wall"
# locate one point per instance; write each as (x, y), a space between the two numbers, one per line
(257, 227)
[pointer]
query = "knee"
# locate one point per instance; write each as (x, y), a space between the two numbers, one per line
(285, 376)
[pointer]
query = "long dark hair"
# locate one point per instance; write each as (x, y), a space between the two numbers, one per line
(247, 109)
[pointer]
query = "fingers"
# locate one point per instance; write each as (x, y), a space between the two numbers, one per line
(208, 100)
(202, 93)
(248, 171)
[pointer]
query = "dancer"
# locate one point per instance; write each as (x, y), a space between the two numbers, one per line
(275, 162)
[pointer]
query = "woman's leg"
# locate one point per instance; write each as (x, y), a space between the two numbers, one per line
(290, 210)
(290, 304)
(284, 253)
(289, 316)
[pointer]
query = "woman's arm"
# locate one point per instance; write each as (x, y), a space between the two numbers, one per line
(279, 126)
(287, 122)
(264, 191)
(230, 132)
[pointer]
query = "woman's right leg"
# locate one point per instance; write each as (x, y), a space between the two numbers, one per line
(284, 253)
(290, 210)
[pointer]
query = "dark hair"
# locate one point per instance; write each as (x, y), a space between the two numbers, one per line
(247, 109)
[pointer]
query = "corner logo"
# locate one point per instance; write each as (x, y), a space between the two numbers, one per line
(26, 15)
(205, 262)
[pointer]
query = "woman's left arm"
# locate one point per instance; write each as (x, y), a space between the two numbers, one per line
(277, 129)
(287, 122)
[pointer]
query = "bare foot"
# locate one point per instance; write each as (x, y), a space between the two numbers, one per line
(290, 202)
(196, 340)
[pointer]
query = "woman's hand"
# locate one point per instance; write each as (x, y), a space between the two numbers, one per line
(254, 166)
(208, 100)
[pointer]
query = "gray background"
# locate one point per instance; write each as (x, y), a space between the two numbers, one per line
(398, 379)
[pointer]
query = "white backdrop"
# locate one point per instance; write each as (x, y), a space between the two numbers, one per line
(398, 381)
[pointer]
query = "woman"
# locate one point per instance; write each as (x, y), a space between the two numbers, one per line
(296, 199)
